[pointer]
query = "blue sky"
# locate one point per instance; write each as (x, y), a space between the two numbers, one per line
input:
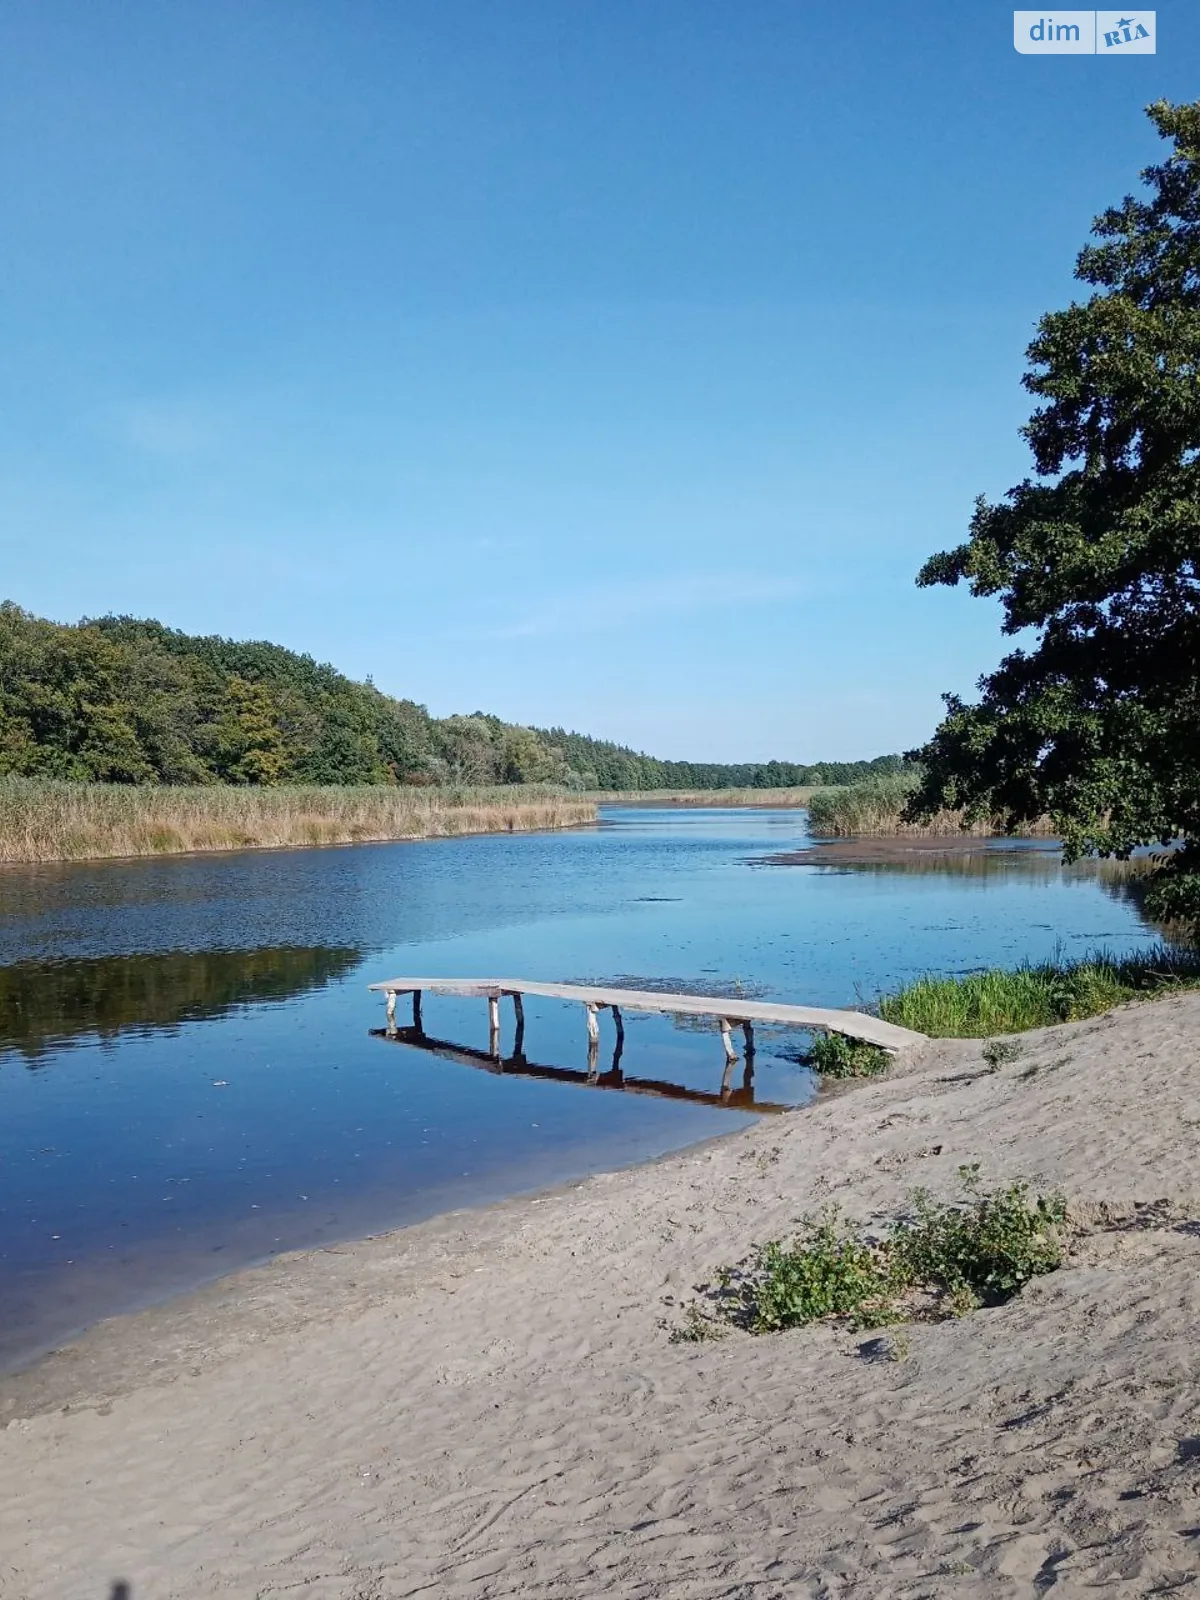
(595, 363)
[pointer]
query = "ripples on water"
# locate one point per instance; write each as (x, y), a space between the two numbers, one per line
(189, 1080)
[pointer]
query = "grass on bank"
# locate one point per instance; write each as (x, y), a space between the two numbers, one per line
(877, 807)
(943, 1259)
(1037, 995)
(51, 821)
(981, 1005)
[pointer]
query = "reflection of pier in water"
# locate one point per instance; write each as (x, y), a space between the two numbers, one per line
(739, 1097)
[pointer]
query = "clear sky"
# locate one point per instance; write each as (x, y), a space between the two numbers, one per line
(605, 363)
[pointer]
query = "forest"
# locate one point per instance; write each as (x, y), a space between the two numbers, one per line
(121, 700)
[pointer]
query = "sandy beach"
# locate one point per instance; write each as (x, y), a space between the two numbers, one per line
(489, 1405)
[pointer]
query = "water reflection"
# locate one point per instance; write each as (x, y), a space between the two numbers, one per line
(49, 1004)
(734, 1097)
(1032, 861)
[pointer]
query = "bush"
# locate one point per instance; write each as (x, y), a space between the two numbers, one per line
(942, 1260)
(833, 1055)
(829, 1272)
(982, 1253)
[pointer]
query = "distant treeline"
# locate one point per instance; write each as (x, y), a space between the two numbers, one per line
(601, 765)
(118, 700)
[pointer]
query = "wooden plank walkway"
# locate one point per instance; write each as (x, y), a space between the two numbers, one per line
(726, 1010)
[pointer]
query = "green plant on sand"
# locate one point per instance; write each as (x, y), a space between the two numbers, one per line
(833, 1055)
(941, 1260)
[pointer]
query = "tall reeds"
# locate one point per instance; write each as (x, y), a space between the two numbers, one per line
(51, 821)
(877, 807)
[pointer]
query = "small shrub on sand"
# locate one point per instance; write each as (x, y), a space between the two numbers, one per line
(981, 1253)
(942, 1260)
(997, 1051)
(833, 1055)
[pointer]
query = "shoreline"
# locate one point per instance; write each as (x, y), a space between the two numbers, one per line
(489, 1401)
(51, 1378)
(101, 1340)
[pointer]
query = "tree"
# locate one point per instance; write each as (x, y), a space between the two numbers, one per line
(1097, 722)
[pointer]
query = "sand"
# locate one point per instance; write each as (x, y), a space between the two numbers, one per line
(488, 1405)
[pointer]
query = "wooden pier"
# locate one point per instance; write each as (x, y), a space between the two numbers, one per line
(727, 1012)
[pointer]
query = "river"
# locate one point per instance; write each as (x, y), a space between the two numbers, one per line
(192, 1076)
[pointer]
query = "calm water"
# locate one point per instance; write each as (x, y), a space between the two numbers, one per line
(189, 1080)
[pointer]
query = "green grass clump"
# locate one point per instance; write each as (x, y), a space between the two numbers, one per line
(980, 1004)
(942, 1260)
(833, 1055)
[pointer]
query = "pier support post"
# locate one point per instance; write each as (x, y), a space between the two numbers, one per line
(593, 1026)
(727, 1040)
(494, 1024)
(748, 1035)
(519, 1039)
(391, 1011)
(418, 1025)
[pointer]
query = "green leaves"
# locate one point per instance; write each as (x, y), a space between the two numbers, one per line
(829, 1271)
(833, 1055)
(941, 1260)
(1095, 722)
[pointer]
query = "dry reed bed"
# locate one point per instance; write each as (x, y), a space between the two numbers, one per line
(50, 821)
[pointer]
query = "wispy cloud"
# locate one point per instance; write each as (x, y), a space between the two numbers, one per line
(591, 607)
(170, 429)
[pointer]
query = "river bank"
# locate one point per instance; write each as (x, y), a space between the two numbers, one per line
(50, 821)
(490, 1402)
